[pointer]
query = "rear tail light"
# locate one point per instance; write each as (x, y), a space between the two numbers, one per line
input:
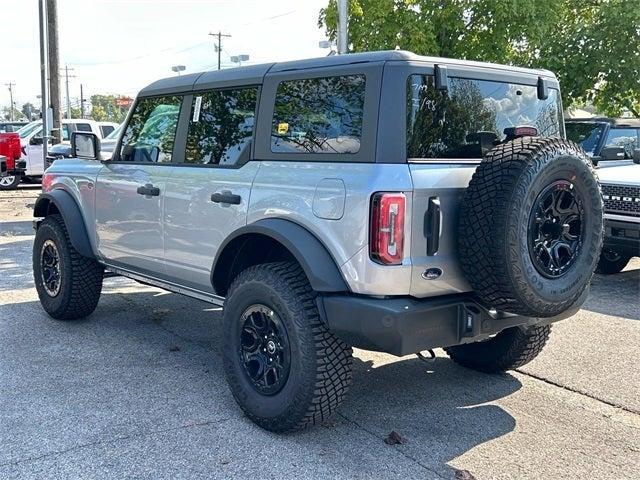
(387, 228)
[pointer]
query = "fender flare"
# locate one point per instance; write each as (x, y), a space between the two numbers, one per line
(314, 258)
(72, 216)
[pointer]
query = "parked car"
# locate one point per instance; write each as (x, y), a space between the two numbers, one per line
(621, 193)
(610, 139)
(11, 152)
(31, 141)
(63, 150)
(384, 201)
(8, 127)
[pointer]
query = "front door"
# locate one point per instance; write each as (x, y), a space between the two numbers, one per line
(208, 192)
(130, 190)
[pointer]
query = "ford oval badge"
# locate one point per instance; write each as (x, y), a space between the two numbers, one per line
(431, 273)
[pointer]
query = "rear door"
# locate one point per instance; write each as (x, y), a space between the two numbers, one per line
(208, 191)
(130, 190)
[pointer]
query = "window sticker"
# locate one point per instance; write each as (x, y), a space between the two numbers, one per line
(283, 128)
(196, 109)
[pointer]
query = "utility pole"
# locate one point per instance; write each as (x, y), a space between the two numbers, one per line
(54, 68)
(81, 102)
(43, 80)
(10, 85)
(343, 35)
(66, 79)
(219, 46)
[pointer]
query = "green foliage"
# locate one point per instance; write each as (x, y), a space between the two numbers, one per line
(104, 108)
(592, 45)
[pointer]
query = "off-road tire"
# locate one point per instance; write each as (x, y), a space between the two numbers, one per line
(611, 262)
(321, 363)
(80, 277)
(6, 185)
(508, 350)
(494, 226)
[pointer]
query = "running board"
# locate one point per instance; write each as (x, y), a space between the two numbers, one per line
(171, 287)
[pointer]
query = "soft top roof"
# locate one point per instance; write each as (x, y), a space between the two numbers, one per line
(254, 74)
(616, 122)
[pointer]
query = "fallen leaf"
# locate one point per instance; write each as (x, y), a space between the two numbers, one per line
(394, 438)
(464, 475)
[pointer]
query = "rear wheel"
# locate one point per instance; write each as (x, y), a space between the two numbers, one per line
(67, 283)
(509, 349)
(10, 182)
(285, 369)
(611, 262)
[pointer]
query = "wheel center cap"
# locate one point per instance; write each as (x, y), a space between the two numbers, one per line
(271, 346)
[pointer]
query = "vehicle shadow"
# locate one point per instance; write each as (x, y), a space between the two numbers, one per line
(617, 294)
(441, 409)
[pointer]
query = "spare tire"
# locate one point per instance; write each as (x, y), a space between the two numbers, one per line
(531, 226)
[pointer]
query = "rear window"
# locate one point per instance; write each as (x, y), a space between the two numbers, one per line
(318, 115)
(470, 117)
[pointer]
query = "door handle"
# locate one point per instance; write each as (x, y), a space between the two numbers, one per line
(226, 197)
(148, 190)
(433, 225)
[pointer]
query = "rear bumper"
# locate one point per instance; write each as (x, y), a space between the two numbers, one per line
(19, 169)
(622, 237)
(405, 325)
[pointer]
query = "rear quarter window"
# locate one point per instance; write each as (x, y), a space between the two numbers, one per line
(469, 118)
(319, 115)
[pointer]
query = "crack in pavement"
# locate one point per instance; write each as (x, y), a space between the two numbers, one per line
(579, 392)
(111, 441)
(401, 452)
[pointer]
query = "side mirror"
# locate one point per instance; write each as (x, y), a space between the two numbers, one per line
(85, 145)
(3, 166)
(36, 141)
(636, 155)
(612, 153)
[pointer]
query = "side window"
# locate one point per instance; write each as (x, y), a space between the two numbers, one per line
(83, 127)
(151, 132)
(105, 130)
(623, 137)
(65, 132)
(318, 115)
(221, 126)
(470, 118)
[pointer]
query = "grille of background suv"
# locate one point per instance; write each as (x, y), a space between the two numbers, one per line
(621, 199)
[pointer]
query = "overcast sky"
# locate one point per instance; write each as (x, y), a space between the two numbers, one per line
(118, 46)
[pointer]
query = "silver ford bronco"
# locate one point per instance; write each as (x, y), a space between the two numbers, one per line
(384, 201)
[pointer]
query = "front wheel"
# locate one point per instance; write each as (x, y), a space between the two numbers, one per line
(67, 283)
(285, 369)
(611, 262)
(508, 350)
(10, 182)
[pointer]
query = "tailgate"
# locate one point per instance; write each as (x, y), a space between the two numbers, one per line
(433, 184)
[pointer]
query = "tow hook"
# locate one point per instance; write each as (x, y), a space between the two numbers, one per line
(429, 359)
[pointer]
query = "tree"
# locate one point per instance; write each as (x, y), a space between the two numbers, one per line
(592, 45)
(28, 110)
(104, 108)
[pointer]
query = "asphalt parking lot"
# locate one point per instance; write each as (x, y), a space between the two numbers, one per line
(137, 391)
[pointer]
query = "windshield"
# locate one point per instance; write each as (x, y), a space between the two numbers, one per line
(585, 134)
(28, 129)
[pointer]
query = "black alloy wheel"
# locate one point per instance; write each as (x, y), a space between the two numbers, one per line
(50, 268)
(264, 349)
(556, 229)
